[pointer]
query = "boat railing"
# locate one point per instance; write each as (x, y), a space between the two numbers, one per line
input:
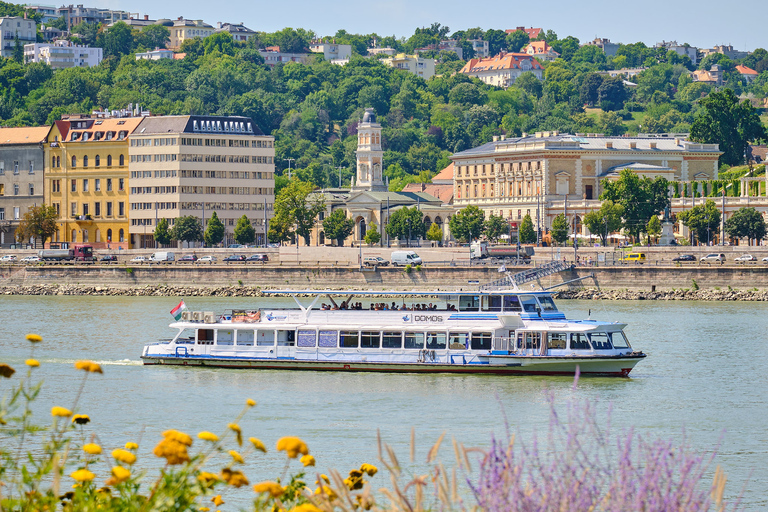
(502, 344)
(514, 280)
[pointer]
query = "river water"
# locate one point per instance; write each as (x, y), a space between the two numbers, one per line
(704, 381)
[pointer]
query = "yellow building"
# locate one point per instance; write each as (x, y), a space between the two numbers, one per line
(86, 179)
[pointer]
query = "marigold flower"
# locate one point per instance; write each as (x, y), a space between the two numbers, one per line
(120, 474)
(88, 366)
(6, 371)
(250, 402)
(131, 446)
(207, 478)
(204, 509)
(292, 446)
(369, 468)
(273, 488)
(233, 477)
(32, 363)
(60, 412)
(237, 457)
(208, 436)
(305, 507)
(34, 338)
(83, 475)
(258, 444)
(172, 451)
(81, 419)
(179, 437)
(355, 480)
(92, 449)
(323, 477)
(307, 460)
(217, 500)
(234, 427)
(124, 456)
(324, 489)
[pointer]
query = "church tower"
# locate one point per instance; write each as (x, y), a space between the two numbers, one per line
(370, 157)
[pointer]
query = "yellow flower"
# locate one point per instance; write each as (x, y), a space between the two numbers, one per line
(131, 446)
(207, 478)
(204, 509)
(208, 436)
(292, 446)
(217, 500)
(369, 468)
(272, 488)
(250, 402)
(6, 371)
(32, 363)
(60, 412)
(124, 456)
(307, 460)
(34, 338)
(233, 477)
(92, 449)
(258, 444)
(324, 489)
(120, 474)
(81, 419)
(179, 437)
(237, 456)
(234, 427)
(173, 448)
(324, 477)
(305, 507)
(88, 366)
(355, 480)
(83, 475)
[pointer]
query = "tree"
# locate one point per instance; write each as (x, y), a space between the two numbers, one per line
(372, 236)
(723, 120)
(434, 233)
(214, 231)
(516, 40)
(703, 221)
(746, 223)
(612, 93)
(338, 227)
(640, 197)
(589, 89)
(405, 224)
(294, 207)
(38, 222)
(153, 36)
(559, 231)
(527, 234)
(187, 229)
(605, 220)
(653, 228)
(467, 224)
(162, 234)
(18, 50)
(244, 232)
(494, 227)
(279, 230)
(117, 40)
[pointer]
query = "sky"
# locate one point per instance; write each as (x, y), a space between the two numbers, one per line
(702, 24)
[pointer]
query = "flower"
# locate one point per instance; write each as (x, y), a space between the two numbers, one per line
(131, 446)
(237, 457)
(177, 436)
(250, 402)
(233, 477)
(369, 468)
(83, 475)
(6, 371)
(208, 436)
(305, 507)
(204, 509)
(173, 448)
(234, 427)
(324, 489)
(32, 363)
(92, 449)
(355, 480)
(60, 412)
(119, 475)
(258, 444)
(88, 366)
(207, 478)
(292, 446)
(307, 460)
(272, 488)
(217, 500)
(323, 477)
(34, 338)
(81, 419)
(124, 456)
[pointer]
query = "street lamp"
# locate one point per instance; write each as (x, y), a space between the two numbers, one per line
(289, 160)
(707, 219)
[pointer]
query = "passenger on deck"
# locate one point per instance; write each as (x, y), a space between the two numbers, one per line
(394, 306)
(403, 307)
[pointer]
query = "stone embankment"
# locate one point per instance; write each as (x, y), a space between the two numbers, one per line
(708, 295)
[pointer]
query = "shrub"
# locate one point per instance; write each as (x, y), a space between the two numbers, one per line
(695, 285)
(408, 268)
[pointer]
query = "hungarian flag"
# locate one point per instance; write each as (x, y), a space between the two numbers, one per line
(176, 312)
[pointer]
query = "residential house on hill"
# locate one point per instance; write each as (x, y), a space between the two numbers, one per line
(183, 29)
(238, 31)
(16, 26)
(419, 66)
(540, 50)
(503, 69)
(713, 77)
(272, 56)
(747, 74)
(604, 44)
(533, 33)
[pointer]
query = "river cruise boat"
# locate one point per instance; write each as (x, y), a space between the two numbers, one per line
(497, 329)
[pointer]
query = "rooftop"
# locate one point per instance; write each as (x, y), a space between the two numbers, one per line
(234, 125)
(24, 135)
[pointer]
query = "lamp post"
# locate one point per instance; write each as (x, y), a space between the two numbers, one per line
(340, 169)
(708, 228)
(289, 160)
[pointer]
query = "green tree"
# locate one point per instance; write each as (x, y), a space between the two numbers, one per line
(653, 228)
(18, 50)
(338, 227)
(527, 234)
(214, 231)
(244, 232)
(434, 233)
(703, 221)
(559, 231)
(723, 120)
(604, 221)
(279, 230)
(153, 36)
(117, 40)
(516, 40)
(588, 94)
(746, 223)
(372, 236)
(529, 83)
(467, 224)
(404, 223)
(187, 229)
(612, 93)
(162, 234)
(639, 197)
(38, 222)
(296, 207)
(495, 226)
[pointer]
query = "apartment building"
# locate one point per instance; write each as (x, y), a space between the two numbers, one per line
(63, 54)
(503, 69)
(76, 14)
(238, 31)
(184, 29)
(86, 177)
(12, 27)
(21, 176)
(195, 165)
(332, 52)
(419, 66)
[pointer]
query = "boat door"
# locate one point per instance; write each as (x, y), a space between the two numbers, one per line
(204, 342)
(286, 341)
(529, 343)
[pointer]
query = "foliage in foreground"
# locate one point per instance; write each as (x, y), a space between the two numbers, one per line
(584, 467)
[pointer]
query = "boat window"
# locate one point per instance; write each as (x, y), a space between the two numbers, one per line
(265, 337)
(532, 340)
(600, 341)
(529, 303)
(185, 336)
(414, 340)
(286, 338)
(328, 338)
(512, 303)
(579, 341)
(491, 302)
(458, 340)
(557, 339)
(245, 338)
(205, 336)
(469, 302)
(225, 337)
(392, 340)
(436, 340)
(547, 304)
(348, 339)
(369, 339)
(307, 339)
(619, 340)
(481, 340)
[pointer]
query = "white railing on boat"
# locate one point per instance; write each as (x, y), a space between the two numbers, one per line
(513, 280)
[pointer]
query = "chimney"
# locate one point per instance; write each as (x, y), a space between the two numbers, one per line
(633, 145)
(653, 145)
(218, 24)
(608, 144)
(495, 138)
(146, 17)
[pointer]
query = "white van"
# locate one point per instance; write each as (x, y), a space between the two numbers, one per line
(162, 256)
(405, 258)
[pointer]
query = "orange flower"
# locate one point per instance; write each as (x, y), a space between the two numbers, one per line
(92, 449)
(307, 460)
(34, 338)
(217, 500)
(250, 402)
(32, 363)
(233, 477)
(119, 475)
(81, 419)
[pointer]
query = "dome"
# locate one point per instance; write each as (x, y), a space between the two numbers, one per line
(369, 116)
(164, 22)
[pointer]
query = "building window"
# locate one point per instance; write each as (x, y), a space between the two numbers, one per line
(97, 184)
(73, 209)
(122, 160)
(109, 184)
(85, 161)
(109, 210)
(15, 189)
(16, 167)
(97, 161)
(121, 213)
(97, 209)
(85, 185)
(86, 209)
(109, 160)
(74, 161)
(2, 213)
(31, 167)
(31, 189)
(122, 233)
(16, 213)
(121, 184)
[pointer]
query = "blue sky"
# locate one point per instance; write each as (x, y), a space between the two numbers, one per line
(702, 24)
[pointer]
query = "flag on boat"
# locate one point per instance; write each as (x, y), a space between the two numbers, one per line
(502, 269)
(176, 312)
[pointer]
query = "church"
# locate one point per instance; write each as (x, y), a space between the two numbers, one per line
(369, 202)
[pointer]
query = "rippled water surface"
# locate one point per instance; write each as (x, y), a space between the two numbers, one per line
(705, 380)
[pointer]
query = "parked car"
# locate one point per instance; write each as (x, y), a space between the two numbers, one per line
(237, 246)
(30, 259)
(188, 257)
(8, 258)
(139, 259)
(375, 261)
(745, 258)
(235, 257)
(258, 257)
(684, 257)
(108, 258)
(207, 259)
(636, 257)
(713, 257)
(765, 260)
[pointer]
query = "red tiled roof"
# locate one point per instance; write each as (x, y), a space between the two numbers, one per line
(533, 33)
(744, 70)
(444, 175)
(443, 192)
(500, 61)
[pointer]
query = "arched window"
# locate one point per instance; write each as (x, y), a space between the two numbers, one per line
(97, 161)
(53, 161)
(58, 161)
(85, 161)
(361, 232)
(109, 160)
(122, 235)
(74, 235)
(85, 236)
(98, 236)
(74, 161)
(322, 238)
(109, 235)
(122, 160)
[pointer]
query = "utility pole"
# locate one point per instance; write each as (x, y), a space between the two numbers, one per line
(289, 160)
(340, 169)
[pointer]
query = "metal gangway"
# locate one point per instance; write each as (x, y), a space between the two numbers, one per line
(526, 276)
